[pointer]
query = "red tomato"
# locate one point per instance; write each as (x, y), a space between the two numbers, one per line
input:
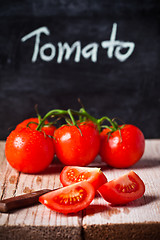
(77, 146)
(70, 199)
(49, 130)
(122, 151)
(29, 151)
(87, 122)
(71, 174)
(124, 189)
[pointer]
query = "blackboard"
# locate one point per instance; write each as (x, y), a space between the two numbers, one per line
(112, 61)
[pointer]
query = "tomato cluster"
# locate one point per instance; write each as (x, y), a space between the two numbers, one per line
(31, 147)
(81, 183)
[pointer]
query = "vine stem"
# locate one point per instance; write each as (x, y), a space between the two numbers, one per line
(55, 112)
(70, 112)
(83, 115)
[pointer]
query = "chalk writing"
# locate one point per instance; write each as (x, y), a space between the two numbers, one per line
(118, 45)
(63, 51)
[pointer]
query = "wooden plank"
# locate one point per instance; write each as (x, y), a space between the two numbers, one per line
(99, 221)
(139, 219)
(37, 221)
(3, 166)
(8, 176)
(8, 181)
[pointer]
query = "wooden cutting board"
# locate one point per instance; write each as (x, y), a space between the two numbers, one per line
(139, 219)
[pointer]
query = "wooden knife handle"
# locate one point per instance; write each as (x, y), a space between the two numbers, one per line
(21, 201)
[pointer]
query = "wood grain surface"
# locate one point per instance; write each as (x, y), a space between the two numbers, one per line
(139, 219)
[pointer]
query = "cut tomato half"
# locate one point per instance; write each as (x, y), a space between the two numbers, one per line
(71, 174)
(124, 189)
(70, 199)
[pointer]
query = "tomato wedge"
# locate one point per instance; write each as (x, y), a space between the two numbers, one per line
(70, 199)
(124, 189)
(72, 174)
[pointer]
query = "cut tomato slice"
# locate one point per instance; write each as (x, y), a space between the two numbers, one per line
(70, 199)
(71, 174)
(124, 189)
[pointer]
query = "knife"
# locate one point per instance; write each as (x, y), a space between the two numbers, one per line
(9, 204)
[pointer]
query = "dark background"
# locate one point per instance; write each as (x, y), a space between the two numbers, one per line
(129, 90)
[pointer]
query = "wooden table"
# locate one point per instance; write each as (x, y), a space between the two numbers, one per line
(137, 220)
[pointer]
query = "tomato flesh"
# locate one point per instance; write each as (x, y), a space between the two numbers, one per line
(69, 199)
(77, 146)
(124, 189)
(129, 187)
(72, 174)
(122, 149)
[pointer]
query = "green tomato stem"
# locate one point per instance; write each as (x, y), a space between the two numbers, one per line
(71, 117)
(83, 115)
(70, 112)
(55, 112)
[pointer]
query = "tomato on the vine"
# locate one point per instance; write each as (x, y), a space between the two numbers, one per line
(29, 151)
(73, 174)
(77, 145)
(49, 130)
(70, 199)
(124, 189)
(122, 148)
